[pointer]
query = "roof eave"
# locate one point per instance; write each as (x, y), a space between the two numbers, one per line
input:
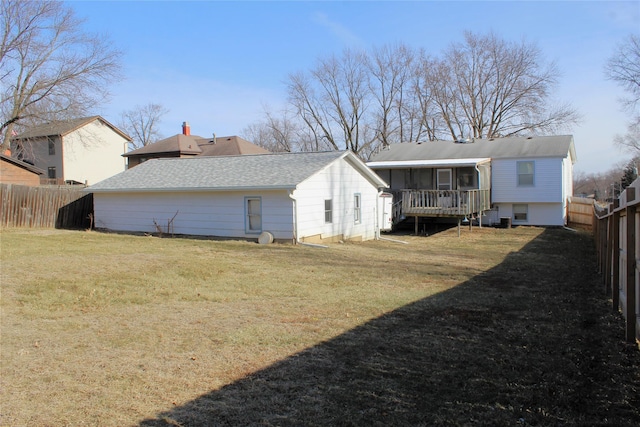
(190, 189)
(427, 163)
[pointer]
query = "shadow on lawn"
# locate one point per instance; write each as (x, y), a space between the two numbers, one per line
(532, 341)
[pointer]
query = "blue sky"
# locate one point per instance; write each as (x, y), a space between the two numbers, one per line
(216, 64)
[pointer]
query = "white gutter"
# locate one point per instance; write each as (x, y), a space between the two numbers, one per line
(428, 163)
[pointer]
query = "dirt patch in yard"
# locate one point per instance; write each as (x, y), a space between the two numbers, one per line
(532, 341)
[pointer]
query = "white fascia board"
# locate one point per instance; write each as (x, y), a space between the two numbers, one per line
(428, 163)
(188, 189)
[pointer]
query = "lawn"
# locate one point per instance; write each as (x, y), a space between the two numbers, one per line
(495, 327)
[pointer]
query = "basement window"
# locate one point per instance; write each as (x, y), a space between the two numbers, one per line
(520, 213)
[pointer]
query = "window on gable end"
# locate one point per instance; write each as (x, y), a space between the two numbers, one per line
(526, 173)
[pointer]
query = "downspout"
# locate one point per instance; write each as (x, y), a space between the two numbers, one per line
(295, 216)
(377, 215)
(479, 188)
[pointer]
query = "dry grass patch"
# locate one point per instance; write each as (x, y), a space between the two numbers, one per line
(110, 330)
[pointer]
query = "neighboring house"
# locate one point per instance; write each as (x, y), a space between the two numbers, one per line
(14, 171)
(187, 145)
(78, 151)
(527, 179)
(299, 197)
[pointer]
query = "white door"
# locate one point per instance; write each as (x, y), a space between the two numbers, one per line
(444, 179)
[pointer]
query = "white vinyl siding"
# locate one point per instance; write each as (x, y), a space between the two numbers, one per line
(196, 213)
(311, 194)
(548, 182)
(543, 214)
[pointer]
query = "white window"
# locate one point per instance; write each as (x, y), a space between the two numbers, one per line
(525, 173)
(328, 211)
(520, 213)
(253, 210)
(357, 209)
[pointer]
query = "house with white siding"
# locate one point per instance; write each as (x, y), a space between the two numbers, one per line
(527, 180)
(292, 197)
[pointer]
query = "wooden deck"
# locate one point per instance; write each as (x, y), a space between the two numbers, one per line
(444, 203)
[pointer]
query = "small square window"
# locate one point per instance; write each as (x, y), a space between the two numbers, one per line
(328, 211)
(520, 213)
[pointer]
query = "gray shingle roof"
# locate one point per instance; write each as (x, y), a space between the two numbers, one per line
(265, 171)
(495, 148)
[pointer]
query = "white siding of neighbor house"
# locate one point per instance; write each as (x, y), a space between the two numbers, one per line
(541, 214)
(219, 214)
(92, 153)
(546, 199)
(339, 182)
(548, 181)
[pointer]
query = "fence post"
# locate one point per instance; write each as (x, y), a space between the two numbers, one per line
(615, 263)
(608, 262)
(630, 294)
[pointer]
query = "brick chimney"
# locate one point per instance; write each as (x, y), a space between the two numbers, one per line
(186, 130)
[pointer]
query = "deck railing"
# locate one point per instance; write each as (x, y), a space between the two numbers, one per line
(444, 202)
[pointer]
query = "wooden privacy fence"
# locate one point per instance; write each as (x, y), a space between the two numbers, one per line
(617, 243)
(580, 212)
(44, 207)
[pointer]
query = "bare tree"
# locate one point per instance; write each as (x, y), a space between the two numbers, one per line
(332, 100)
(402, 108)
(486, 87)
(49, 69)
(624, 68)
(483, 87)
(141, 123)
